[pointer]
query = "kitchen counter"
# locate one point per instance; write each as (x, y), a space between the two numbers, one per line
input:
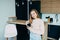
(54, 24)
(23, 22)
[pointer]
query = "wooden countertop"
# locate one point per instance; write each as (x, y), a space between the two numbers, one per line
(23, 22)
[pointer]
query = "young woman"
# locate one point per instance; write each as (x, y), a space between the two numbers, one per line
(37, 25)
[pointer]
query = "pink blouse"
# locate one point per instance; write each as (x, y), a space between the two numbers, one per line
(37, 26)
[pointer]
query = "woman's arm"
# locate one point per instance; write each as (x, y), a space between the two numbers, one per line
(42, 28)
(37, 31)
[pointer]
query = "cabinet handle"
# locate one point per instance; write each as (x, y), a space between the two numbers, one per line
(17, 4)
(30, 2)
(22, 3)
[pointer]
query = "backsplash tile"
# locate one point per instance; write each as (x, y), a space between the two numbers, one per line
(51, 16)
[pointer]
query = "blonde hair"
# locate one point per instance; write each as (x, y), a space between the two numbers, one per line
(31, 19)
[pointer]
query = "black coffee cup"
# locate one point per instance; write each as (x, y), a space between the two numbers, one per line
(29, 24)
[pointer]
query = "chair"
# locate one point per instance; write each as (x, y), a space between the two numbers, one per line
(10, 31)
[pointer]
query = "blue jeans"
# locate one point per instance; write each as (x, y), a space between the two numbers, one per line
(34, 36)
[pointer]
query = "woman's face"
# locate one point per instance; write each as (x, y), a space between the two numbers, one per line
(33, 14)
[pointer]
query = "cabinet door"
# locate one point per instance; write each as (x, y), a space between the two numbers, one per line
(34, 5)
(53, 31)
(21, 13)
(21, 10)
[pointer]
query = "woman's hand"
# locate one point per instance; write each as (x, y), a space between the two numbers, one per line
(29, 28)
(27, 22)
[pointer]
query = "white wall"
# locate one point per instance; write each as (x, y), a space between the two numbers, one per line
(7, 8)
